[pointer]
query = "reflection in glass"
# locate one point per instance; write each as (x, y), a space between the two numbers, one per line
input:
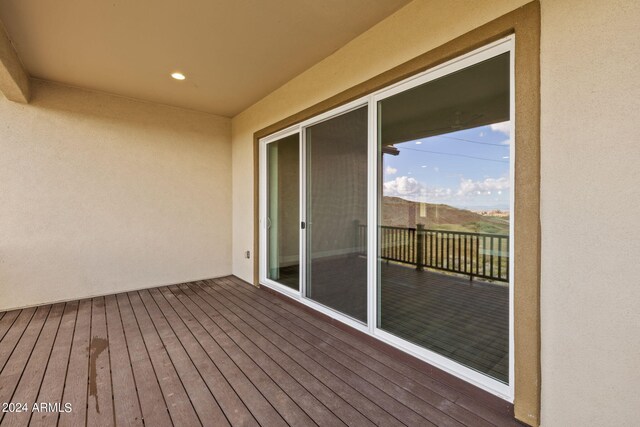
(336, 185)
(283, 190)
(444, 197)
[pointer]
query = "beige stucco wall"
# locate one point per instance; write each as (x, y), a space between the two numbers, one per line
(590, 194)
(590, 210)
(100, 194)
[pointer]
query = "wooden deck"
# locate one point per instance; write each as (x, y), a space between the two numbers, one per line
(216, 352)
(466, 321)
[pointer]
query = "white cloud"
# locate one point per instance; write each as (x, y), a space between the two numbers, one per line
(402, 186)
(469, 187)
(468, 190)
(503, 127)
(391, 171)
(412, 189)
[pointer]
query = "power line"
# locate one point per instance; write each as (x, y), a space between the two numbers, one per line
(474, 142)
(454, 155)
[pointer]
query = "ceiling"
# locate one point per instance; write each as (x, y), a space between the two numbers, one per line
(233, 52)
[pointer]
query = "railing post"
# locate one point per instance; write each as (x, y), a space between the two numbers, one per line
(419, 247)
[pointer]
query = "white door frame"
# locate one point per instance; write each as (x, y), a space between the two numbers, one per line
(491, 50)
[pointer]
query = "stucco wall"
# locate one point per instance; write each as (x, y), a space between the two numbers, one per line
(590, 194)
(101, 194)
(590, 68)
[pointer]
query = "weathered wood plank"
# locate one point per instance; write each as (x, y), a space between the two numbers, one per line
(305, 398)
(424, 401)
(219, 352)
(380, 359)
(257, 381)
(13, 369)
(178, 403)
(54, 377)
(201, 397)
(152, 404)
(8, 317)
(256, 331)
(76, 383)
(126, 404)
(394, 407)
(99, 402)
(29, 385)
(253, 399)
(13, 335)
(209, 359)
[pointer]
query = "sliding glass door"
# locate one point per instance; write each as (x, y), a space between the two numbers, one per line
(393, 214)
(336, 208)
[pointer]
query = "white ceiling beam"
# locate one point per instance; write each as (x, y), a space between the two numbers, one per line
(14, 81)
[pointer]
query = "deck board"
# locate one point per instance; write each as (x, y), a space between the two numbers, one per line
(265, 351)
(28, 387)
(307, 353)
(77, 379)
(207, 355)
(419, 398)
(99, 401)
(204, 403)
(7, 321)
(213, 352)
(13, 335)
(369, 382)
(152, 402)
(17, 363)
(180, 406)
(125, 395)
(56, 372)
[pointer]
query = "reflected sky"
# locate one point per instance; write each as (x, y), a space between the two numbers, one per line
(467, 169)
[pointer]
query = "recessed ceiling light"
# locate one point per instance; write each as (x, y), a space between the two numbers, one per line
(178, 76)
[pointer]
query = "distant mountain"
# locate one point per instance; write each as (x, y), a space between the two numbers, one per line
(406, 213)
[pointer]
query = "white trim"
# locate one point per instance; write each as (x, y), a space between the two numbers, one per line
(476, 378)
(512, 212)
(291, 130)
(280, 288)
(372, 218)
(292, 293)
(302, 268)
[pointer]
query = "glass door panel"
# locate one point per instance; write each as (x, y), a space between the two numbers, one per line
(336, 213)
(444, 216)
(283, 211)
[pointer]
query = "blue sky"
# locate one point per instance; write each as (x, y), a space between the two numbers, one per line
(466, 169)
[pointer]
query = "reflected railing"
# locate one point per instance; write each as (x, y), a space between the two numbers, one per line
(479, 255)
